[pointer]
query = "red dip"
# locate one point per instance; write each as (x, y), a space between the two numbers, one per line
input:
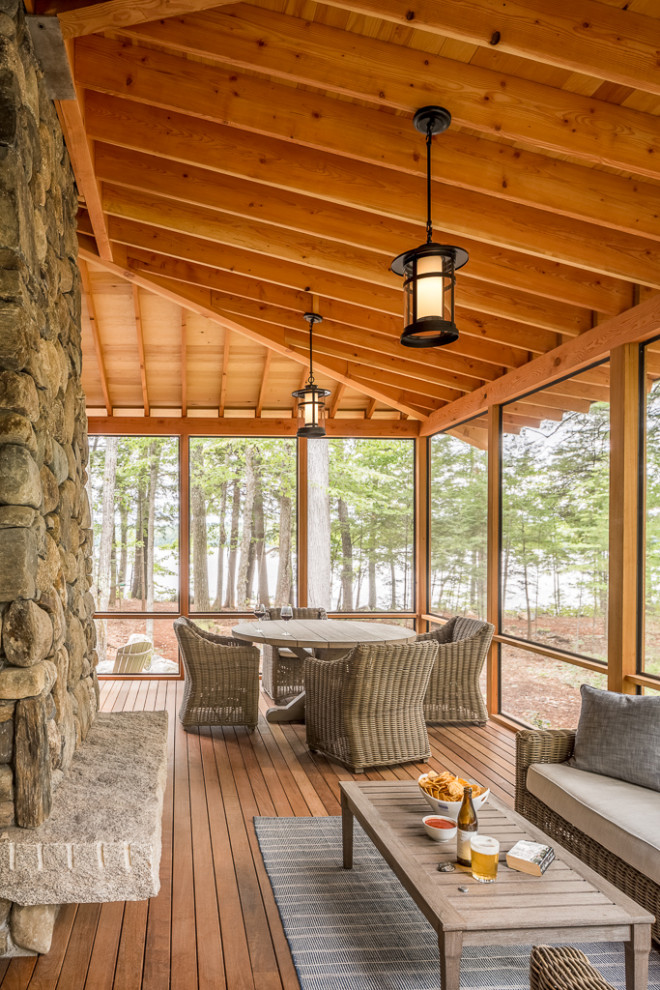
(440, 823)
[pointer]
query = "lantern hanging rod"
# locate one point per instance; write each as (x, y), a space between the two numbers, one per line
(430, 120)
(311, 318)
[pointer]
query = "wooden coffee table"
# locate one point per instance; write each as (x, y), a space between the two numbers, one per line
(569, 903)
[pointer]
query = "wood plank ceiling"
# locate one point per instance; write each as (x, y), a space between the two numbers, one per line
(240, 165)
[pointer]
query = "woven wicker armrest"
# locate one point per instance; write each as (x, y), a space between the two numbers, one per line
(538, 746)
(560, 967)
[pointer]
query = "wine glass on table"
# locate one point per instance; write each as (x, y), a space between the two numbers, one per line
(260, 612)
(286, 614)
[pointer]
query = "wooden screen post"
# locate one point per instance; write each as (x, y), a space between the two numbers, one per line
(493, 555)
(422, 545)
(184, 525)
(624, 598)
(302, 523)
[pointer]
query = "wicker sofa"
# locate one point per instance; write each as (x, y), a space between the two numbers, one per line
(610, 824)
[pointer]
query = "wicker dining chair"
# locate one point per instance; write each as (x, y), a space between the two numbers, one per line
(454, 695)
(366, 709)
(222, 678)
(561, 967)
(282, 671)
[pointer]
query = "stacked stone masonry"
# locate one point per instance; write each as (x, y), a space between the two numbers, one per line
(48, 686)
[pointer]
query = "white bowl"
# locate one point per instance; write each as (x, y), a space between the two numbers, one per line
(450, 809)
(439, 834)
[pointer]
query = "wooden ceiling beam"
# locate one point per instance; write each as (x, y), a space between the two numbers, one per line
(590, 38)
(194, 426)
(336, 399)
(519, 340)
(640, 323)
(96, 335)
(225, 370)
(328, 256)
(482, 217)
(348, 225)
(112, 15)
(463, 357)
(341, 62)
(264, 382)
(345, 300)
(71, 117)
(199, 301)
(513, 174)
(140, 346)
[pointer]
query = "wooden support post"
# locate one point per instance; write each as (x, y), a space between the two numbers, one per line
(184, 525)
(422, 545)
(624, 595)
(493, 554)
(302, 523)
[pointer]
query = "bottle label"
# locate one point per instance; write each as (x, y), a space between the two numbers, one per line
(464, 851)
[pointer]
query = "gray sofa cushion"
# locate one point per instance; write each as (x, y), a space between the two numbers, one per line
(621, 817)
(619, 735)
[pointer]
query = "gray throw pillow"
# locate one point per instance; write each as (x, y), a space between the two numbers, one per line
(618, 735)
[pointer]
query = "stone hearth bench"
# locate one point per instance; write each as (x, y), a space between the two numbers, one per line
(102, 841)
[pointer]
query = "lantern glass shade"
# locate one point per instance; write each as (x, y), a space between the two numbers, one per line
(311, 410)
(428, 291)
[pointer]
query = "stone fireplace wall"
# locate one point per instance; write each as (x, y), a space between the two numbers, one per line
(48, 688)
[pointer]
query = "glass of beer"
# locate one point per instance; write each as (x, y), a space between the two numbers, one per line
(485, 855)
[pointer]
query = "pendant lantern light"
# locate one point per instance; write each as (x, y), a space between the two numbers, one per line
(428, 270)
(311, 405)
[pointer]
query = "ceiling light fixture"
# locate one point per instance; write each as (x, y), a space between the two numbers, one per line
(428, 270)
(311, 407)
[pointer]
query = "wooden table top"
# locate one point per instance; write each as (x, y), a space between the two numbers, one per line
(322, 633)
(516, 906)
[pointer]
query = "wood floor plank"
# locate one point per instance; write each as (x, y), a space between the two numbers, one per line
(184, 943)
(103, 961)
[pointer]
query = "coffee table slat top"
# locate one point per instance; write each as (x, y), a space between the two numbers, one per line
(322, 633)
(568, 895)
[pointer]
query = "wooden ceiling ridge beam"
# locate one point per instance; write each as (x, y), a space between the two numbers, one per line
(522, 177)
(637, 324)
(590, 38)
(342, 62)
(343, 309)
(198, 301)
(112, 15)
(367, 167)
(317, 255)
(201, 187)
(96, 336)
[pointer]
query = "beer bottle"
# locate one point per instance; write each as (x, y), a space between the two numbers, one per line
(467, 827)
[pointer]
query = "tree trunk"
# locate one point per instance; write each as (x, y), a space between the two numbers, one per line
(260, 537)
(222, 540)
(105, 544)
(373, 601)
(138, 589)
(246, 535)
(283, 586)
(346, 557)
(318, 528)
(113, 569)
(393, 585)
(154, 470)
(123, 556)
(230, 597)
(198, 533)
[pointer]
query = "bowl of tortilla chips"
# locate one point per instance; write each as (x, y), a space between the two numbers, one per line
(444, 792)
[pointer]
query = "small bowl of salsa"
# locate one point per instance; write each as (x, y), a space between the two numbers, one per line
(439, 828)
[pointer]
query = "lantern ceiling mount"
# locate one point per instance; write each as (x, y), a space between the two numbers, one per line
(311, 405)
(428, 270)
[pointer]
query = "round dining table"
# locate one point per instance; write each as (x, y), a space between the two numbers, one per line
(329, 638)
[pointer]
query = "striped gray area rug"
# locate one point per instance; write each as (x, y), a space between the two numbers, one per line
(359, 930)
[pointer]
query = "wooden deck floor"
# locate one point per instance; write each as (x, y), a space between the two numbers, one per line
(215, 923)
